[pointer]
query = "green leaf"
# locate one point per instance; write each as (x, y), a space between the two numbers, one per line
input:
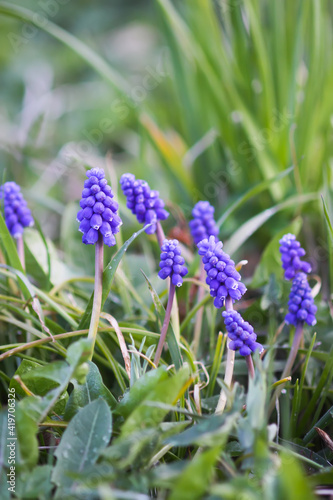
(139, 391)
(167, 391)
(108, 275)
(196, 477)
(26, 429)
(83, 440)
(214, 430)
(171, 337)
(251, 193)
(292, 483)
(91, 389)
(35, 484)
(252, 225)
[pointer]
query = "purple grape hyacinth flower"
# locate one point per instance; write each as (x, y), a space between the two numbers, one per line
(291, 253)
(143, 202)
(301, 305)
(203, 224)
(98, 213)
(241, 334)
(222, 277)
(17, 213)
(172, 263)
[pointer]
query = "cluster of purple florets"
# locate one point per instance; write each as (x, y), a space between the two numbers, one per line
(172, 263)
(17, 214)
(291, 253)
(301, 306)
(203, 224)
(241, 334)
(144, 202)
(222, 277)
(98, 213)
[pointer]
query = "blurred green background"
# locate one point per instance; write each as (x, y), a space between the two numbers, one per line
(204, 99)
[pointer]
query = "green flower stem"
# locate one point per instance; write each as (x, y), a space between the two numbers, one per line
(289, 364)
(229, 370)
(166, 322)
(20, 250)
(198, 323)
(98, 289)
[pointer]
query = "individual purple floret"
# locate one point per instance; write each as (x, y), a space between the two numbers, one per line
(172, 263)
(98, 214)
(291, 252)
(301, 306)
(222, 277)
(241, 334)
(203, 224)
(143, 202)
(17, 213)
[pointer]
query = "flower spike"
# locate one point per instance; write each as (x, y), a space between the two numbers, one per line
(301, 306)
(143, 202)
(17, 213)
(98, 214)
(241, 334)
(203, 224)
(291, 253)
(222, 277)
(172, 263)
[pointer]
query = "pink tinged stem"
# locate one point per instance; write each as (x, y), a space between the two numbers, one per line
(229, 370)
(165, 324)
(289, 364)
(199, 316)
(250, 366)
(98, 289)
(20, 250)
(160, 234)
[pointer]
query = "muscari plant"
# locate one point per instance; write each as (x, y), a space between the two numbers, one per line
(301, 307)
(99, 222)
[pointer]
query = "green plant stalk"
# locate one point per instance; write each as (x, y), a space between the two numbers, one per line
(98, 290)
(165, 325)
(289, 364)
(229, 370)
(198, 323)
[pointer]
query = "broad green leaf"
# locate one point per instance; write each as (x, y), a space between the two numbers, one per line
(85, 393)
(139, 391)
(167, 391)
(214, 430)
(35, 483)
(108, 275)
(292, 483)
(171, 337)
(83, 440)
(26, 429)
(196, 477)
